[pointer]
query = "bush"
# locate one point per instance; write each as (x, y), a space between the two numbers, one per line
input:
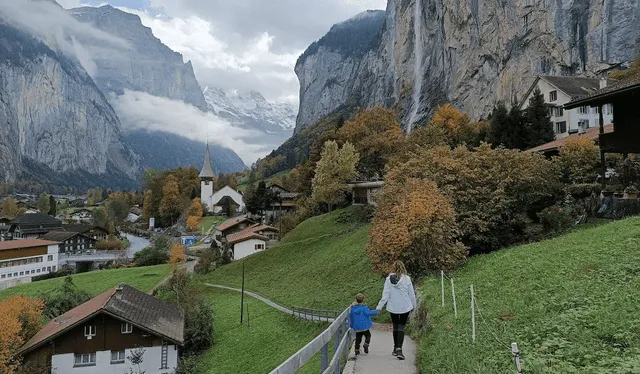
(62, 272)
(64, 299)
(415, 223)
(206, 261)
(110, 245)
(157, 254)
(584, 190)
(357, 214)
(556, 219)
(578, 160)
(189, 365)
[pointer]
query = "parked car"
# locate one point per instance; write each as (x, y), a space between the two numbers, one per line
(207, 240)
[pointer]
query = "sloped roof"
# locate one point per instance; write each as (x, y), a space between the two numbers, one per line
(26, 243)
(128, 304)
(575, 86)
(82, 228)
(231, 222)
(612, 89)
(592, 133)
(61, 236)
(36, 218)
(245, 235)
(258, 227)
(207, 170)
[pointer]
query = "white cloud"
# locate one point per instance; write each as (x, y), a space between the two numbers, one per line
(140, 110)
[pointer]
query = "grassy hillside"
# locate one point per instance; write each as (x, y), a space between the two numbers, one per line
(259, 345)
(570, 303)
(143, 278)
(320, 264)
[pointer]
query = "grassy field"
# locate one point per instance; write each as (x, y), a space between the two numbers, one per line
(570, 303)
(268, 339)
(209, 221)
(95, 282)
(317, 265)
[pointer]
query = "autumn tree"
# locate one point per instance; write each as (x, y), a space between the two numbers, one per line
(118, 206)
(177, 254)
(376, 135)
(335, 168)
(147, 206)
(43, 203)
(192, 223)
(415, 223)
(170, 205)
(634, 70)
(195, 209)
(457, 127)
(578, 160)
(20, 318)
(224, 180)
(9, 207)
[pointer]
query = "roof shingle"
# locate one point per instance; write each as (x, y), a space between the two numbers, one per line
(26, 243)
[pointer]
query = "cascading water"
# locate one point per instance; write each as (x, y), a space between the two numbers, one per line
(417, 67)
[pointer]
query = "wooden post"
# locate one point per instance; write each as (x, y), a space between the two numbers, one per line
(442, 286)
(516, 356)
(603, 165)
(324, 360)
(473, 316)
(453, 295)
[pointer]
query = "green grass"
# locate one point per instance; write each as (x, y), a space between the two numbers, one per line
(316, 265)
(209, 221)
(571, 304)
(95, 282)
(266, 339)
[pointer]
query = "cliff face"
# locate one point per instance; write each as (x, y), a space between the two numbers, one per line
(146, 65)
(52, 112)
(471, 53)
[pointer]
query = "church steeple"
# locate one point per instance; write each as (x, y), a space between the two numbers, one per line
(207, 171)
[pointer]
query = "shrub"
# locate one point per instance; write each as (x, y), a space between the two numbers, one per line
(62, 272)
(189, 365)
(110, 245)
(64, 299)
(157, 254)
(415, 223)
(357, 214)
(206, 261)
(578, 160)
(584, 190)
(556, 219)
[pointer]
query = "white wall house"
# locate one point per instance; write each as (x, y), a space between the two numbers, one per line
(557, 91)
(215, 200)
(22, 259)
(210, 198)
(115, 362)
(246, 243)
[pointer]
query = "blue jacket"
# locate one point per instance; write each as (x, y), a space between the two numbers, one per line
(361, 317)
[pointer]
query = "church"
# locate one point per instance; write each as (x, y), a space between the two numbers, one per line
(210, 198)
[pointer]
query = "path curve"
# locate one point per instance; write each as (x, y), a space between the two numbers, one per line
(305, 316)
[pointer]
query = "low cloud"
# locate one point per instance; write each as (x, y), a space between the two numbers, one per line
(140, 110)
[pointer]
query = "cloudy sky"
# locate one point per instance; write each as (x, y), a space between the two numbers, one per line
(242, 44)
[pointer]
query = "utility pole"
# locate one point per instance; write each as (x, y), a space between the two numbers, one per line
(242, 295)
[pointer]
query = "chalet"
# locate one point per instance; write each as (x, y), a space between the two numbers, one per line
(22, 259)
(558, 91)
(70, 241)
(623, 97)
(285, 201)
(364, 193)
(82, 215)
(32, 226)
(251, 240)
(97, 337)
(92, 231)
(233, 225)
(5, 223)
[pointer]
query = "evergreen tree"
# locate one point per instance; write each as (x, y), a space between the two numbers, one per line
(53, 207)
(43, 203)
(517, 131)
(538, 121)
(499, 130)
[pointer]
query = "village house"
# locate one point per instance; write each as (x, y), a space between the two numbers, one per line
(364, 193)
(285, 202)
(92, 231)
(70, 241)
(97, 337)
(32, 226)
(233, 225)
(5, 223)
(82, 215)
(558, 91)
(22, 259)
(251, 240)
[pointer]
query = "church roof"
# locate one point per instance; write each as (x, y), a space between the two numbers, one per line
(207, 171)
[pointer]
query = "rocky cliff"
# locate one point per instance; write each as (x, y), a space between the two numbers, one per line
(467, 52)
(146, 65)
(51, 112)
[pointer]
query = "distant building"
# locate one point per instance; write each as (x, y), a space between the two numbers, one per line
(22, 259)
(70, 241)
(92, 231)
(5, 223)
(285, 202)
(82, 215)
(251, 240)
(32, 226)
(558, 91)
(364, 193)
(97, 337)
(210, 199)
(232, 226)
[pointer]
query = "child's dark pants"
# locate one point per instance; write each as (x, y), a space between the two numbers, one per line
(367, 338)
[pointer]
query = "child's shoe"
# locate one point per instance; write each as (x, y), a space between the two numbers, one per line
(366, 348)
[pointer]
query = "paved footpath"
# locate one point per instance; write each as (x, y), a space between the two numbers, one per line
(379, 359)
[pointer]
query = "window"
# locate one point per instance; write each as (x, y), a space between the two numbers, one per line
(596, 110)
(15, 274)
(50, 258)
(53, 268)
(87, 359)
(44, 269)
(48, 269)
(126, 328)
(608, 109)
(89, 331)
(584, 123)
(21, 273)
(559, 111)
(3, 276)
(259, 247)
(561, 127)
(33, 271)
(583, 110)
(37, 270)
(117, 357)
(9, 275)
(553, 96)
(552, 111)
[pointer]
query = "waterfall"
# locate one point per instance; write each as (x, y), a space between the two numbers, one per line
(417, 66)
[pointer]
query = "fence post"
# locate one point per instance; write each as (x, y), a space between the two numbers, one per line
(453, 295)
(324, 361)
(473, 315)
(516, 356)
(442, 284)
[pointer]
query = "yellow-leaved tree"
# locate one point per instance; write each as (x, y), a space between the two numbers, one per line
(457, 127)
(195, 209)
(170, 205)
(415, 223)
(336, 167)
(192, 223)
(578, 160)
(177, 254)
(20, 319)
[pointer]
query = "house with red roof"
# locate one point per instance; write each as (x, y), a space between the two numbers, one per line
(103, 334)
(22, 259)
(251, 240)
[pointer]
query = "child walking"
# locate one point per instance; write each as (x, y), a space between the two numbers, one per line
(361, 322)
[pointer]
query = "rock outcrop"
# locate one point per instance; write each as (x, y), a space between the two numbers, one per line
(51, 112)
(471, 53)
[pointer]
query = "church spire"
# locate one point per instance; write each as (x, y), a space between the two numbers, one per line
(207, 171)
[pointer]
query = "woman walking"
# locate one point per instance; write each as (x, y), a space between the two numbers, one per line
(400, 299)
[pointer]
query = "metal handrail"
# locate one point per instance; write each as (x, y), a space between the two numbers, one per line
(342, 335)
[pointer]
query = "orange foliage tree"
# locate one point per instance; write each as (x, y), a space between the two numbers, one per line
(20, 319)
(376, 135)
(415, 223)
(177, 254)
(192, 223)
(578, 160)
(457, 127)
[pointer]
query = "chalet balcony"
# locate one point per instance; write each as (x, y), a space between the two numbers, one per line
(615, 142)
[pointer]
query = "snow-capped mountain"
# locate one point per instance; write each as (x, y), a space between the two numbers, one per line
(272, 122)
